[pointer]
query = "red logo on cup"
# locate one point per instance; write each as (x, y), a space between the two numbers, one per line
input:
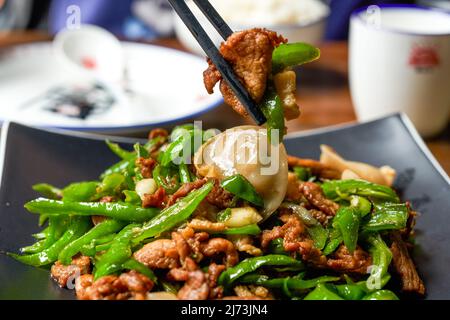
(424, 57)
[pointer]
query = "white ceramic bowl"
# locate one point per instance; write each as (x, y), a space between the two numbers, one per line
(311, 31)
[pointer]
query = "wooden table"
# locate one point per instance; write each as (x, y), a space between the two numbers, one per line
(323, 93)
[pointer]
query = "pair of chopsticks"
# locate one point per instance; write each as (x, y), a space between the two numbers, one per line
(227, 72)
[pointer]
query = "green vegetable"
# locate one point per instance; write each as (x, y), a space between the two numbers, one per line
(80, 191)
(120, 211)
(347, 221)
(56, 227)
(140, 150)
(350, 291)
(381, 258)
(292, 283)
(77, 227)
(272, 108)
(334, 240)
(48, 191)
(387, 216)
(381, 295)
(121, 153)
(229, 276)
(118, 253)
(293, 54)
(111, 185)
(343, 189)
(185, 174)
(224, 215)
(303, 174)
(251, 229)
(118, 167)
(132, 197)
(276, 247)
(362, 205)
(241, 187)
(323, 291)
(166, 177)
(175, 214)
(104, 228)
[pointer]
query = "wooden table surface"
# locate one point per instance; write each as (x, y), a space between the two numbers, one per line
(323, 93)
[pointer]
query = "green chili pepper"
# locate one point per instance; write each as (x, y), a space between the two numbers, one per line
(175, 214)
(185, 142)
(111, 185)
(185, 175)
(303, 174)
(168, 287)
(56, 227)
(347, 221)
(272, 108)
(292, 283)
(323, 291)
(132, 197)
(343, 189)
(333, 242)
(118, 167)
(166, 177)
(224, 215)
(121, 153)
(91, 248)
(362, 205)
(381, 258)
(276, 247)
(229, 276)
(293, 54)
(387, 216)
(48, 191)
(81, 191)
(250, 229)
(77, 227)
(241, 187)
(350, 291)
(132, 264)
(120, 211)
(106, 227)
(118, 253)
(152, 143)
(381, 295)
(140, 150)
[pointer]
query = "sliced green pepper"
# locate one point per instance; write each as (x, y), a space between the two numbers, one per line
(166, 177)
(272, 108)
(241, 187)
(323, 291)
(387, 216)
(347, 221)
(293, 54)
(132, 264)
(381, 258)
(381, 295)
(80, 191)
(251, 229)
(343, 189)
(48, 191)
(121, 153)
(120, 211)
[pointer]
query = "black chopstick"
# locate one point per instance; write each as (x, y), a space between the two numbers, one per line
(214, 17)
(213, 53)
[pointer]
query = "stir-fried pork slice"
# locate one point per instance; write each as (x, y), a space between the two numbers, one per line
(128, 286)
(343, 261)
(155, 200)
(250, 54)
(216, 246)
(184, 190)
(146, 166)
(404, 266)
(63, 274)
(195, 281)
(316, 198)
(286, 86)
(159, 254)
(206, 225)
(245, 244)
(188, 243)
(252, 291)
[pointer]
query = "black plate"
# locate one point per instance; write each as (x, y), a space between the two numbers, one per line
(32, 155)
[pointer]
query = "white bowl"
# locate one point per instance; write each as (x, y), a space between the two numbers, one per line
(312, 31)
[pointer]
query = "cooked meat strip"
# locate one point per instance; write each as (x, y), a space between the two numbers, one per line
(128, 286)
(219, 245)
(214, 271)
(158, 132)
(293, 188)
(196, 283)
(159, 254)
(62, 274)
(320, 216)
(245, 244)
(249, 52)
(252, 291)
(343, 261)
(188, 243)
(404, 266)
(242, 298)
(155, 200)
(206, 225)
(317, 168)
(146, 166)
(219, 197)
(313, 193)
(184, 190)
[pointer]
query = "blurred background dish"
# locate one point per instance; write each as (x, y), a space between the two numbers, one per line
(166, 88)
(303, 20)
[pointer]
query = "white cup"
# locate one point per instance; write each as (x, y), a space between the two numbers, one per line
(400, 62)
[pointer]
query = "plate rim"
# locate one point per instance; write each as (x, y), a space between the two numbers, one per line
(208, 107)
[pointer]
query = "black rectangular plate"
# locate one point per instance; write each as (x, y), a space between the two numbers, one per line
(31, 156)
